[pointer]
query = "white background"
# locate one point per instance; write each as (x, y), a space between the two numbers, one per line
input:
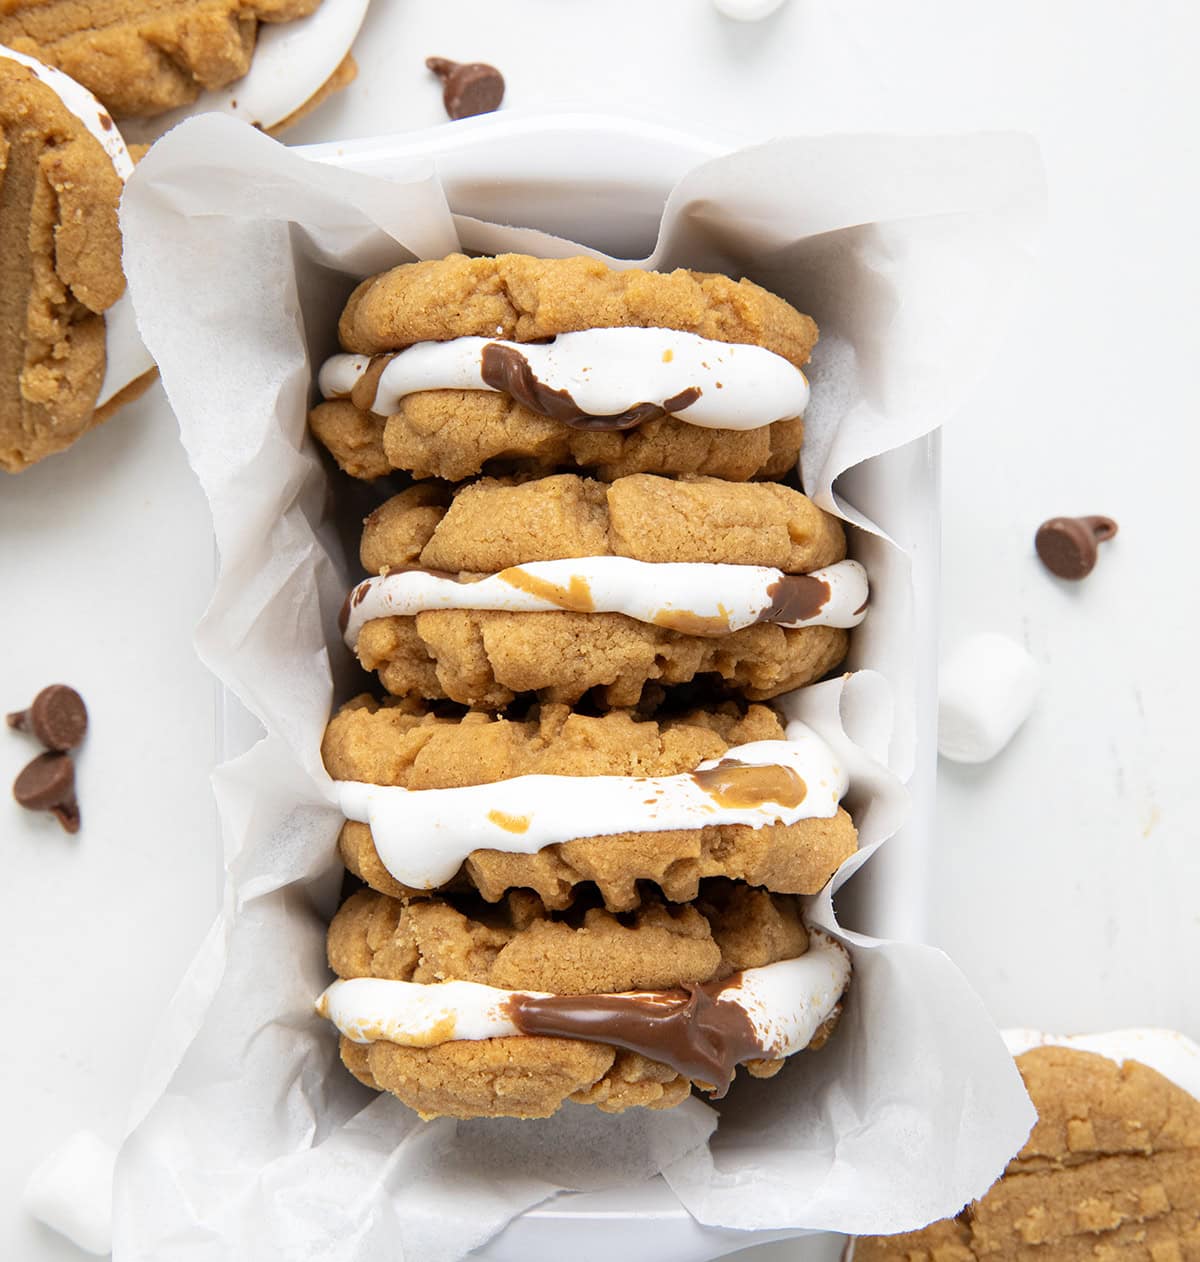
(1066, 877)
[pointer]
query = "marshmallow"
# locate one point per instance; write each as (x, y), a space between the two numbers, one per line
(71, 1191)
(747, 10)
(986, 691)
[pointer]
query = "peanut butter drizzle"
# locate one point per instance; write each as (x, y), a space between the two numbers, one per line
(367, 386)
(510, 823)
(688, 623)
(737, 784)
(689, 1029)
(575, 597)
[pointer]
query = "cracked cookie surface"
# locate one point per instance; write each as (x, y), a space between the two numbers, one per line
(520, 945)
(494, 523)
(61, 246)
(144, 57)
(456, 434)
(1110, 1173)
(403, 743)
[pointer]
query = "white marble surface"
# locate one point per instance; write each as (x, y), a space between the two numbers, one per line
(1067, 870)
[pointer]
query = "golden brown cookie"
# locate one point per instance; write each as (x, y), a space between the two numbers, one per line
(1110, 1173)
(519, 945)
(144, 57)
(456, 433)
(523, 299)
(487, 658)
(494, 523)
(402, 743)
(61, 249)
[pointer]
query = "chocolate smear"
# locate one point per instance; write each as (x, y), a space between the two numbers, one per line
(689, 1029)
(504, 368)
(48, 784)
(795, 598)
(470, 88)
(1069, 546)
(57, 717)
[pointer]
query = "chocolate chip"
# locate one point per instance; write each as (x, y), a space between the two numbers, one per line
(48, 784)
(472, 87)
(1068, 546)
(58, 717)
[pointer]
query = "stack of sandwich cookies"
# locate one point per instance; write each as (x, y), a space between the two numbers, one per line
(70, 355)
(575, 815)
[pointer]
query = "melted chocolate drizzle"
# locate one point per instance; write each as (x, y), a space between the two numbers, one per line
(504, 368)
(689, 1029)
(795, 598)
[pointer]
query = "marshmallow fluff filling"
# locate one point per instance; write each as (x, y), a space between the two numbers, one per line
(423, 836)
(590, 379)
(691, 597)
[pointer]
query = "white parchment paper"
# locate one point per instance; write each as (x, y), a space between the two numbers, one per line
(251, 1141)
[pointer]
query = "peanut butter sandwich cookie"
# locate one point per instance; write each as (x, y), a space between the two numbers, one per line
(564, 586)
(466, 1010)
(267, 61)
(1110, 1173)
(561, 798)
(460, 366)
(69, 350)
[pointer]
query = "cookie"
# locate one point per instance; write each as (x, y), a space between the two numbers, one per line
(62, 165)
(453, 435)
(141, 57)
(559, 799)
(467, 1010)
(466, 364)
(564, 586)
(1110, 1171)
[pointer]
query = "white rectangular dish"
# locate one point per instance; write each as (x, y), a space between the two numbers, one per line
(604, 182)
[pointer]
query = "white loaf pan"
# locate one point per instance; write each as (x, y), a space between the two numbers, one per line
(603, 181)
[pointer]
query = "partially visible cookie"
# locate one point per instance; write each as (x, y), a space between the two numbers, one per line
(449, 1069)
(61, 248)
(403, 744)
(143, 57)
(1110, 1173)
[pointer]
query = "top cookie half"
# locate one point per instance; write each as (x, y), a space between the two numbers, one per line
(460, 366)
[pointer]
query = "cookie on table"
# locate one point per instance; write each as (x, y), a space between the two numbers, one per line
(465, 1010)
(62, 167)
(696, 606)
(518, 363)
(1110, 1173)
(141, 57)
(559, 798)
